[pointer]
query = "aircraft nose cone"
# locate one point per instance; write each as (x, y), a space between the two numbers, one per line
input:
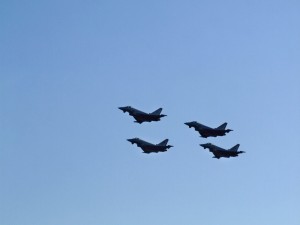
(204, 146)
(123, 109)
(189, 124)
(132, 140)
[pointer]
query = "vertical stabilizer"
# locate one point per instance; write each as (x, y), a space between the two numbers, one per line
(235, 148)
(222, 127)
(157, 112)
(164, 142)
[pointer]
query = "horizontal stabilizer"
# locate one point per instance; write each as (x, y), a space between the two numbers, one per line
(157, 112)
(222, 127)
(235, 148)
(164, 142)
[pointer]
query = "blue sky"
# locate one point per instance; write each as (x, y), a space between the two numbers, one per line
(65, 67)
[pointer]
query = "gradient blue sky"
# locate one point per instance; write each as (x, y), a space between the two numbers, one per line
(65, 67)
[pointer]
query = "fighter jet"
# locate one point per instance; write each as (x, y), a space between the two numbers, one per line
(221, 152)
(208, 131)
(148, 147)
(140, 116)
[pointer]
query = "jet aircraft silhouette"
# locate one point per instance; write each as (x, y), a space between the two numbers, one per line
(148, 147)
(221, 152)
(141, 117)
(208, 131)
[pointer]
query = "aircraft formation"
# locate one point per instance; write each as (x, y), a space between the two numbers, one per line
(204, 131)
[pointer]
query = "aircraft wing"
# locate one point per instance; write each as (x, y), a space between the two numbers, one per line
(217, 154)
(139, 118)
(153, 148)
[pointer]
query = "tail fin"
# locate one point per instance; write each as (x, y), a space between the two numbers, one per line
(235, 148)
(222, 127)
(164, 142)
(157, 112)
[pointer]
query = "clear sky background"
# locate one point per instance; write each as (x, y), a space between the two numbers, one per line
(65, 67)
